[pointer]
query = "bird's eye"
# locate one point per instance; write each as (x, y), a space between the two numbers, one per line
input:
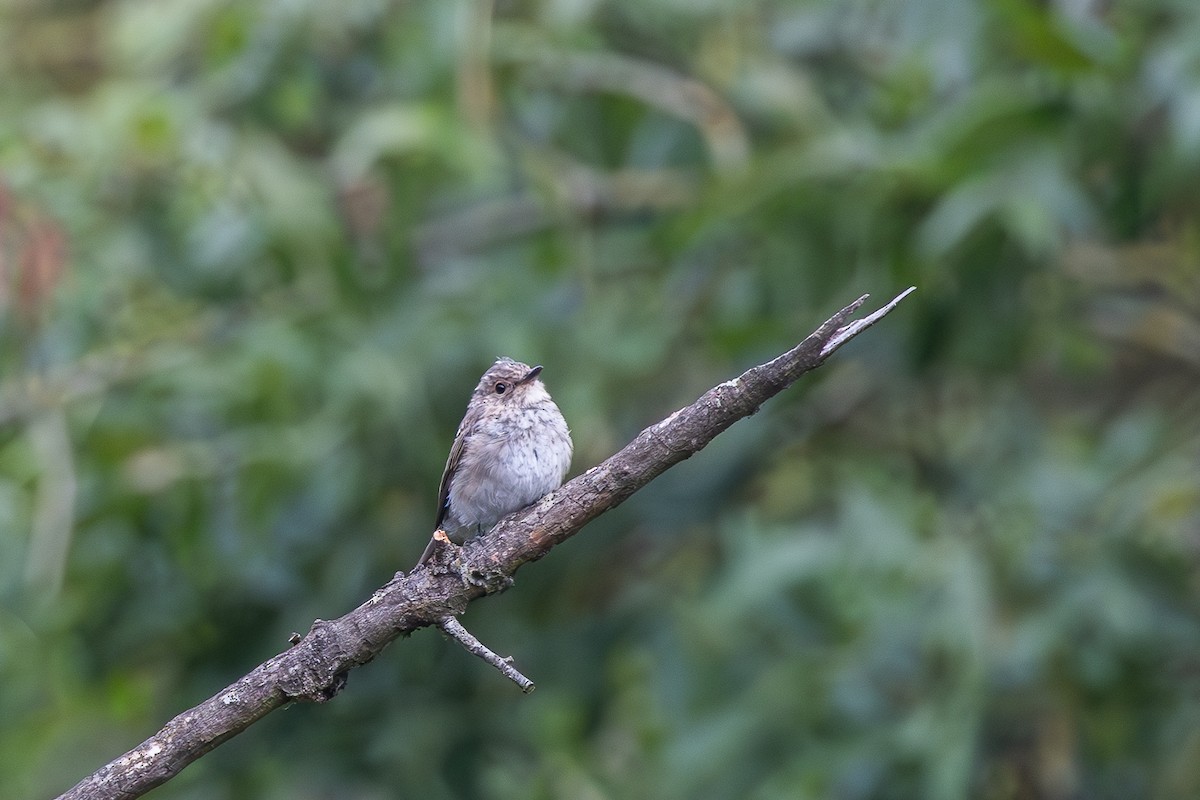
(501, 387)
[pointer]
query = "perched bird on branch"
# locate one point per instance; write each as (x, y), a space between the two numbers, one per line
(512, 448)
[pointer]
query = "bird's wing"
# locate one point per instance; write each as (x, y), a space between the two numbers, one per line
(456, 450)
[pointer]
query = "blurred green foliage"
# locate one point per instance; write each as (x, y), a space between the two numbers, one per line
(253, 256)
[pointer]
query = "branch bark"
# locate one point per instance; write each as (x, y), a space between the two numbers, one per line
(315, 668)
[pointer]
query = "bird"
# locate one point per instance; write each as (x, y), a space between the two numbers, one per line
(512, 448)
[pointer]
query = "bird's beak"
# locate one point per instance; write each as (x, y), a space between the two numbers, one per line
(533, 373)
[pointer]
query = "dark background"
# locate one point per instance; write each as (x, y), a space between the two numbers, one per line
(254, 256)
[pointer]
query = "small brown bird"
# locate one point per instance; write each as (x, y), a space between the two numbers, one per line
(512, 448)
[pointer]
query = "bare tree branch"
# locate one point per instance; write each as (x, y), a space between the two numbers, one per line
(315, 668)
(454, 628)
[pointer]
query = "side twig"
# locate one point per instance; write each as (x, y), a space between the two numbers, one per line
(315, 667)
(453, 628)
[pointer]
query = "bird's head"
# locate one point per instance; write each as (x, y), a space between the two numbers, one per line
(509, 381)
